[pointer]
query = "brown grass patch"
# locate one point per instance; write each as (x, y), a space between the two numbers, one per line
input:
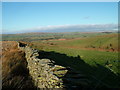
(14, 67)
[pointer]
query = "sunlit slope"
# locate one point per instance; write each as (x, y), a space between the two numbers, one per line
(47, 36)
(93, 49)
(101, 42)
(70, 52)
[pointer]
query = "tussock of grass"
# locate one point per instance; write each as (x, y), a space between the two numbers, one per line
(14, 68)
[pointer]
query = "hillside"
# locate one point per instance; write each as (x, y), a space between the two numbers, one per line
(99, 41)
(48, 36)
(102, 49)
(102, 42)
(83, 62)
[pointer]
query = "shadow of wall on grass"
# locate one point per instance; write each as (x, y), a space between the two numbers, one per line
(82, 75)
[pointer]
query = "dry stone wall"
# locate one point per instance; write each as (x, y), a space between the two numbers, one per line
(44, 72)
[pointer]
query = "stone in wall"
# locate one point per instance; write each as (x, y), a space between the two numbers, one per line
(43, 71)
(46, 74)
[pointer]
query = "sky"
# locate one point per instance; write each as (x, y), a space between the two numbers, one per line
(20, 17)
(60, 0)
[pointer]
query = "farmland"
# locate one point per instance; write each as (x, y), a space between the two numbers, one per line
(93, 54)
(98, 52)
(92, 49)
(47, 36)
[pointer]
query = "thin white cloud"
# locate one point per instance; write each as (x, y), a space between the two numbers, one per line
(69, 28)
(74, 28)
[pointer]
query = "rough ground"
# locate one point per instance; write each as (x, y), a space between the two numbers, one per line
(14, 67)
(24, 67)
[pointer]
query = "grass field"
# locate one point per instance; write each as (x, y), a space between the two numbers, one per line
(46, 36)
(93, 54)
(95, 49)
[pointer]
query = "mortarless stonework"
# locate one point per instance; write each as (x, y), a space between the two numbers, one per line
(44, 72)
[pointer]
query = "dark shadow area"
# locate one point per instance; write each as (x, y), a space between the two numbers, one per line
(21, 44)
(82, 75)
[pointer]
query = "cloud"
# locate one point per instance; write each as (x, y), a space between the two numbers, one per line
(72, 28)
